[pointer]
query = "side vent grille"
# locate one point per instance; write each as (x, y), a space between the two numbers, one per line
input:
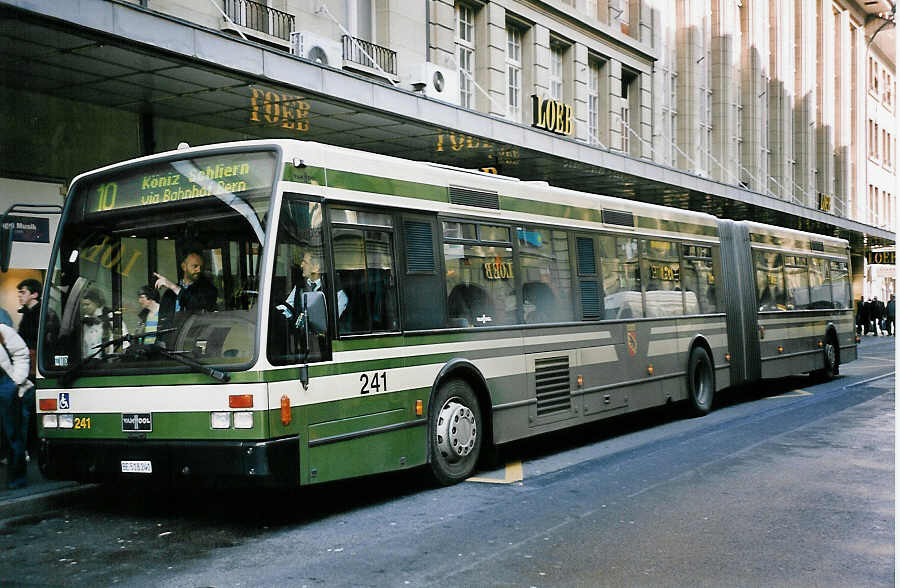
(466, 197)
(419, 248)
(618, 217)
(590, 300)
(551, 383)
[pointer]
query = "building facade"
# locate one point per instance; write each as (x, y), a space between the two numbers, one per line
(780, 111)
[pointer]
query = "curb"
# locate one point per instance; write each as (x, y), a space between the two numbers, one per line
(31, 504)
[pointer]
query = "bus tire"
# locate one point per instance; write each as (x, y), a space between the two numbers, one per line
(455, 429)
(832, 360)
(701, 388)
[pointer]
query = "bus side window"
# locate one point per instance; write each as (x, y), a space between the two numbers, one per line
(621, 277)
(797, 282)
(546, 275)
(662, 273)
(366, 288)
(820, 290)
(769, 280)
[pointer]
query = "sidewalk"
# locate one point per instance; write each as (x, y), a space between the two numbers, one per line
(40, 494)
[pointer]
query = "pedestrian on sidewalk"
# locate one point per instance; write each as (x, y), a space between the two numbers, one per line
(889, 316)
(29, 294)
(16, 402)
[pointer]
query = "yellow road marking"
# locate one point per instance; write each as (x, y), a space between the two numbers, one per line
(511, 474)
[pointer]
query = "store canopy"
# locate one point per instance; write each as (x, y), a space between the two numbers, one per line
(125, 57)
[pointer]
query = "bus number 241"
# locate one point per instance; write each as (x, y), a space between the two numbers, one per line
(374, 382)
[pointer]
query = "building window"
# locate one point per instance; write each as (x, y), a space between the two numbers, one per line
(557, 59)
(465, 42)
(630, 92)
(595, 109)
(514, 72)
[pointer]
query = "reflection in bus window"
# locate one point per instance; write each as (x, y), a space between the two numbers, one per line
(769, 280)
(840, 284)
(546, 275)
(621, 277)
(819, 289)
(662, 268)
(481, 285)
(364, 272)
(698, 278)
(797, 282)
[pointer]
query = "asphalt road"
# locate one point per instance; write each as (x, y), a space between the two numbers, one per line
(792, 489)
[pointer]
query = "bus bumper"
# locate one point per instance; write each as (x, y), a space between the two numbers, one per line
(267, 463)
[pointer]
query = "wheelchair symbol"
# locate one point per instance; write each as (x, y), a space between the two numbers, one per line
(63, 400)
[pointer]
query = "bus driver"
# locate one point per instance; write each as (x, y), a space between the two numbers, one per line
(195, 292)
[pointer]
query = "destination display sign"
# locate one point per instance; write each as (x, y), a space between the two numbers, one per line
(181, 180)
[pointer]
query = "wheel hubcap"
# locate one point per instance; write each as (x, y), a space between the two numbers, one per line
(456, 430)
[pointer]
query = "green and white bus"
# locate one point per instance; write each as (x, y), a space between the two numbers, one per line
(375, 314)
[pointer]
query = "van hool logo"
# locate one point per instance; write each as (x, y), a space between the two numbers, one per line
(137, 422)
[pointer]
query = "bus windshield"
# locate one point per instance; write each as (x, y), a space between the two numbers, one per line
(157, 267)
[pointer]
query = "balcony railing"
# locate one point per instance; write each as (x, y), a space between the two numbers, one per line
(356, 52)
(259, 17)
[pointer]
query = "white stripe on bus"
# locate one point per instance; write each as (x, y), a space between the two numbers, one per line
(462, 346)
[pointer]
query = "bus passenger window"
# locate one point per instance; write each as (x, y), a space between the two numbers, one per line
(840, 284)
(662, 270)
(364, 269)
(698, 278)
(819, 288)
(797, 281)
(546, 275)
(481, 280)
(769, 280)
(621, 277)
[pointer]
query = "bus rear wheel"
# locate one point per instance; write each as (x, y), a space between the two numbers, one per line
(701, 388)
(455, 429)
(832, 363)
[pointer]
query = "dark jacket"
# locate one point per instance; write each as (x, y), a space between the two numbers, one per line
(199, 296)
(28, 326)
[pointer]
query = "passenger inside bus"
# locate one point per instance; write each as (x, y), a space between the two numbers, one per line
(467, 304)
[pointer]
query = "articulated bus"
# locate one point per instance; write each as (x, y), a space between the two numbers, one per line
(374, 314)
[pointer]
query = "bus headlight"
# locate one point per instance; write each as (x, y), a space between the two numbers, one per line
(243, 420)
(220, 420)
(66, 421)
(50, 421)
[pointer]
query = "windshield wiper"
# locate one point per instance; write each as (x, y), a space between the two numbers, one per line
(68, 378)
(215, 374)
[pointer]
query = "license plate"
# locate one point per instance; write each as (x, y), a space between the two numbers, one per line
(137, 467)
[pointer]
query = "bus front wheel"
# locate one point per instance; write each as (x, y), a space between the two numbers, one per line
(700, 382)
(455, 428)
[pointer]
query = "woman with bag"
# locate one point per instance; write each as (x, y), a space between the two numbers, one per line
(15, 407)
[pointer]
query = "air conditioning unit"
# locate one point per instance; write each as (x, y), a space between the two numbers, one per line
(317, 49)
(437, 82)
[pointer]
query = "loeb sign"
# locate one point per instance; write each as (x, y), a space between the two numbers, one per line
(551, 115)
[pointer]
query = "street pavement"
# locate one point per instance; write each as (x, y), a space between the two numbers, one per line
(41, 494)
